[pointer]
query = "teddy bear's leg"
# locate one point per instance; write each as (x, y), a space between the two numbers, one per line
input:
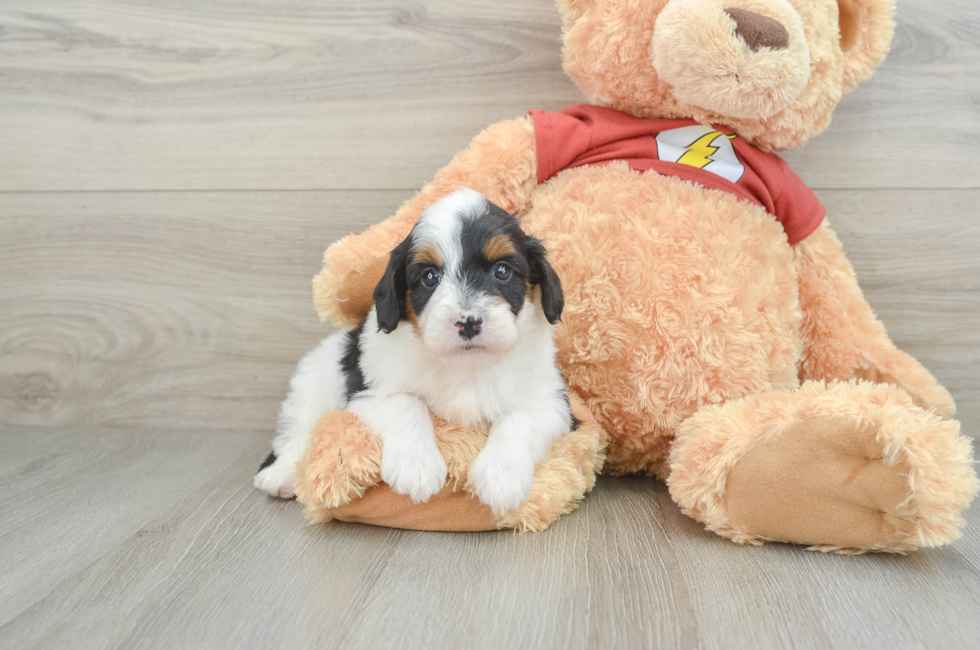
(842, 339)
(340, 477)
(847, 466)
(500, 163)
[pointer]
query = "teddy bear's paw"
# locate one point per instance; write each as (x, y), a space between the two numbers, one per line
(277, 479)
(909, 375)
(501, 480)
(848, 466)
(825, 480)
(413, 468)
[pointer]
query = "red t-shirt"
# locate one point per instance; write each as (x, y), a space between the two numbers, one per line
(710, 156)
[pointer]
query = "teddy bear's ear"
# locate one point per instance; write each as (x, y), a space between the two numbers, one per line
(866, 28)
(572, 10)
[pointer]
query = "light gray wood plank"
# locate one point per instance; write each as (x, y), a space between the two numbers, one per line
(213, 570)
(265, 95)
(349, 94)
(911, 124)
(915, 255)
(191, 309)
(137, 309)
(601, 578)
(69, 496)
(781, 596)
(226, 567)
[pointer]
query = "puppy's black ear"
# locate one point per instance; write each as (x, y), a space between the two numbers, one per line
(389, 295)
(543, 275)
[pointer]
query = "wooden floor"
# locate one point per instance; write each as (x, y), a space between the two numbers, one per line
(170, 173)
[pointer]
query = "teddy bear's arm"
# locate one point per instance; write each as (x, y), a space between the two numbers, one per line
(500, 163)
(842, 338)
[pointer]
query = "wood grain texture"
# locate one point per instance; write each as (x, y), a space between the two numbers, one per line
(137, 309)
(915, 255)
(67, 496)
(219, 565)
(192, 308)
(365, 94)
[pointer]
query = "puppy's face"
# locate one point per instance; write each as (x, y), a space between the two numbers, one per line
(465, 278)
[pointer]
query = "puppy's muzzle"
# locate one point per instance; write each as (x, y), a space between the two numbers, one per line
(469, 326)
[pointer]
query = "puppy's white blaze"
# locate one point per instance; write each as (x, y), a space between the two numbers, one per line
(440, 226)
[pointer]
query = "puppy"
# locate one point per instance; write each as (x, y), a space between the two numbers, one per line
(461, 326)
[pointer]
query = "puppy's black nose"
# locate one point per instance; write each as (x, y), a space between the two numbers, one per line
(469, 327)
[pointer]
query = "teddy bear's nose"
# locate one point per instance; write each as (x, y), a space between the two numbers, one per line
(758, 31)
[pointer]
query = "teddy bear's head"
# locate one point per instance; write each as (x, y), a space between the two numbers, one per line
(772, 70)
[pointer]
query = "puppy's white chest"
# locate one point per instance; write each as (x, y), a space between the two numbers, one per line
(469, 399)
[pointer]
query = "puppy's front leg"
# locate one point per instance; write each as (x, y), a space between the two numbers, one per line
(503, 473)
(410, 460)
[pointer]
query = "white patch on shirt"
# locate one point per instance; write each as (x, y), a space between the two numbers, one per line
(702, 147)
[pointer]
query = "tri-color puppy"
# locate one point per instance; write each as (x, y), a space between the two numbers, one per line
(462, 326)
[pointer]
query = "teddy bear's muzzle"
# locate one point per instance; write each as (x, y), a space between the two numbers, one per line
(746, 59)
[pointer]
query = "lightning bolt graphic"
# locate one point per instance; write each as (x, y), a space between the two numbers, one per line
(699, 152)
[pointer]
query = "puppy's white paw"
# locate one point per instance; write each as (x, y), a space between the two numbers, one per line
(501, 480)
(277, 479)
(413, 468)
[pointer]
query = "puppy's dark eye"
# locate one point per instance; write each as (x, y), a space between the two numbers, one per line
(502, 272)
(431, 277)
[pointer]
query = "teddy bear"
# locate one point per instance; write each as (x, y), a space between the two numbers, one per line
(714, 334)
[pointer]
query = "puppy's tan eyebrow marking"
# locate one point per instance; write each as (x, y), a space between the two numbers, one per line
(427, 254)
(498, 247)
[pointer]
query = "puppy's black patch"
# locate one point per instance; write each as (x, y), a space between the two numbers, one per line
(529, 262)
(477, 270)
(389, 295)
(420, 292)
(350, 363)
(576, 423)
(271, 458)
(544, 275)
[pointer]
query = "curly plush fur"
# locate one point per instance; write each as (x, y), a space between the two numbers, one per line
(340, 478)
(751, 374)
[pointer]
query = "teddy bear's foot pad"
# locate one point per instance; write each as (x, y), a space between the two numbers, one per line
(843, 466)
(824, 481)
